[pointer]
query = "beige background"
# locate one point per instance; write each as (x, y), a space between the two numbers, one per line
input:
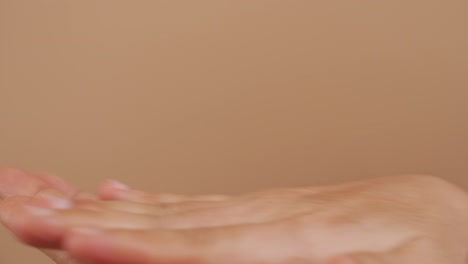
(232, 96)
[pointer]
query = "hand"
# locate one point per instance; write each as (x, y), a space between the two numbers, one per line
(18, 187)
(408, 219)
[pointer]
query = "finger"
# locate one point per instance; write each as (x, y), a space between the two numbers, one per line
(9, 220)
(58, 184)
(151, 198)
(139, 196)
(213, 245)
(114, 190)
(9, 205)
(11, 209)
(158, 209)
(43, 227)
(51, 198)
(21, 223)
(39, 222)
(8, 208)
(35, 222)
(17, 182)
(184, 215)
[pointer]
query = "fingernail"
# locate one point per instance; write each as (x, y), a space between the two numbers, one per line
(55, 200)
(87, 231)
(39, 211)
(118, 185)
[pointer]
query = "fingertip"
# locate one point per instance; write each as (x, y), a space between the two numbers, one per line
(111, 190)
(114, 184)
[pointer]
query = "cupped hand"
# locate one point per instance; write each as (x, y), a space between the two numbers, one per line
(401, 219)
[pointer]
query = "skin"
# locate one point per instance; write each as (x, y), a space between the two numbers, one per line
(400, 219)
(18, 187)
